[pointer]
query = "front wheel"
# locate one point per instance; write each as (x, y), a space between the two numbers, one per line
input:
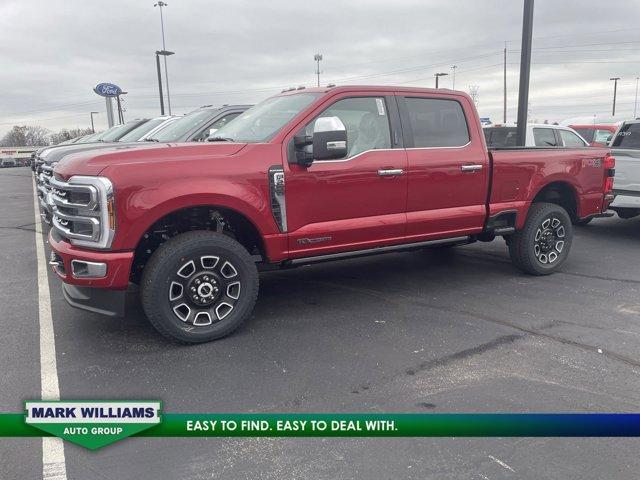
(199, 286)
(543, 245)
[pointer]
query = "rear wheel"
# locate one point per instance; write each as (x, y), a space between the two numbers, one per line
(199, 286)
(543, 245)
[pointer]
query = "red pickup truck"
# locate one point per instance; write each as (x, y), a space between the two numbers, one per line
(306, 176)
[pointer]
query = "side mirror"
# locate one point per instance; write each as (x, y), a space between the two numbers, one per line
(329, 139)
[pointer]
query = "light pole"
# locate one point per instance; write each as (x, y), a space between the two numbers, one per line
(453, 85)
(165, 54)
(635, 103)
(438, 75)
(318, 57)
(93, 129)
(525, 70)
(120, 110)
(164, 48)
(615, 91)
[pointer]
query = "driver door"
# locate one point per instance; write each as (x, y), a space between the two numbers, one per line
(358, 201)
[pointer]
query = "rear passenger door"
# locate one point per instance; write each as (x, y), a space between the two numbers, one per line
(448, 169)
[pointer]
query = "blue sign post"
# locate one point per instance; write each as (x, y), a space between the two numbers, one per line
(108, 91)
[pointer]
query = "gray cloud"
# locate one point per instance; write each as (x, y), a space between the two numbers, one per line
(54, 52)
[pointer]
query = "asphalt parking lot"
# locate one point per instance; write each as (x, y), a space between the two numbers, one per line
(419, 332)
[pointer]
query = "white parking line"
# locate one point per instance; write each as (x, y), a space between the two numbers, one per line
(53, 461)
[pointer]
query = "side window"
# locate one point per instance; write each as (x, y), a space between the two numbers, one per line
(570, 139)
(437, 122)
(366, 120)
(221, 122)
(544, 137)
(602, 136)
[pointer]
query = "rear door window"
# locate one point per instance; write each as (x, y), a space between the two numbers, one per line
(500, 136)
(544, 137)
(570, 139)
(628, 136)
(437, 122)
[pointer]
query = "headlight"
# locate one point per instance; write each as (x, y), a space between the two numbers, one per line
(84, 210)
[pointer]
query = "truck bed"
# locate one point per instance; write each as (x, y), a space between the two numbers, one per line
(518, 173)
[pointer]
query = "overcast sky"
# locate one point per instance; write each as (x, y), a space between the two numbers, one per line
(53, 52)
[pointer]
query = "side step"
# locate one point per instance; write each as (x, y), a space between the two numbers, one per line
(377, 250)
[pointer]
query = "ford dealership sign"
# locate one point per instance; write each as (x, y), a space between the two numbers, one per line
(107, 90)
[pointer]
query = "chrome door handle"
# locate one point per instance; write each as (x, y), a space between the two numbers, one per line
(391, 172)
(471, 168)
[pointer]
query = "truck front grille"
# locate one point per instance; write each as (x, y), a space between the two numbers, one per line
(81, 210)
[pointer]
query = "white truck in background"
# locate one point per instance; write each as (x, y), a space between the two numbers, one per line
(625, 147)
(537, 135)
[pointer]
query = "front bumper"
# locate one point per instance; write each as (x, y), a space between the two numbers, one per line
(118, 264)
(102, 295)
(97, 300)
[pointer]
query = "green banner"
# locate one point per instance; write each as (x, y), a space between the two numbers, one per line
(96, 424)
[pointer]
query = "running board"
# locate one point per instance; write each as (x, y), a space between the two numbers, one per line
(378, 250)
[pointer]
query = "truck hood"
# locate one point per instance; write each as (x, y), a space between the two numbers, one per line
(93, 162)
(58, 154)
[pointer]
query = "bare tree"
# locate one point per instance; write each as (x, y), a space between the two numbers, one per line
(64, 134)
(24, 136)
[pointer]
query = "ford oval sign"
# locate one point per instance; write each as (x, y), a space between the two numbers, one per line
(107, 90)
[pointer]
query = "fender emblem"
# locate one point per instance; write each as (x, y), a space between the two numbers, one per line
(309, 241)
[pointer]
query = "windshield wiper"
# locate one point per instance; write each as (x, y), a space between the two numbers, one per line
(219, 139)
(151, 139)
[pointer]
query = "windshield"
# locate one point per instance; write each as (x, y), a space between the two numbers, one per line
(586, 133)
(100, 136)
(262, 122)
(176, 130)
(114, 133)
(137, 133)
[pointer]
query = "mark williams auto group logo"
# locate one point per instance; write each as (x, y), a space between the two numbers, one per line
(92, 424)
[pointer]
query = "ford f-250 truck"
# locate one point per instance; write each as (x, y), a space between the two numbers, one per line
(306, 176)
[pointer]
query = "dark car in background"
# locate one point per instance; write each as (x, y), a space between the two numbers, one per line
(196, 126)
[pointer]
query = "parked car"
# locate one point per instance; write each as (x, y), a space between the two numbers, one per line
(306, 176)
(45, 158)
(537, 135)
(626, 186)
(8, 162)
(598, 135)
(196, 126)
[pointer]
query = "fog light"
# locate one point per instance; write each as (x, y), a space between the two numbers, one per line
(83, 269)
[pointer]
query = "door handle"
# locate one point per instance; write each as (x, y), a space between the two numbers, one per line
(390, 172)
(471, 168)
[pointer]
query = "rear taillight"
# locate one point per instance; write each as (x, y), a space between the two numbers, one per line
(608, 185)
(609, 165)
(609, 173)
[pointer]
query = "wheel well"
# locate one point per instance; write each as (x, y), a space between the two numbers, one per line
(216, 219)
(561, 194)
